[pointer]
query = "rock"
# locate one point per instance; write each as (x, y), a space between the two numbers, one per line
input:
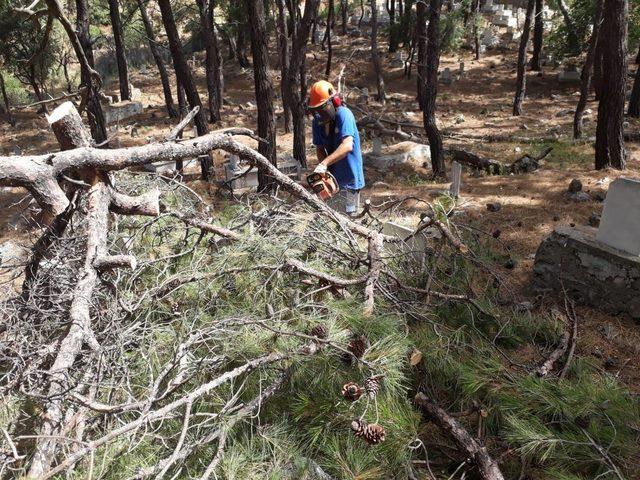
(579, 197)
(494, 206)
(380, 184)
(600, 195)
(510, 264)
(592, 273)
(594, 220)
(403, 155)
(459, 119)
(575, 186)
(13, 254)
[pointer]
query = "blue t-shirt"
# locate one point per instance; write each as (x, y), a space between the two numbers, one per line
(348, 171)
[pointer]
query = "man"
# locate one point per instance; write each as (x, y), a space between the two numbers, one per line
(335, 135)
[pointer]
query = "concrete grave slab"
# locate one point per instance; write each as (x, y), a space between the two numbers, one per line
(414, 245)
(620, 224)
(116, 112)
(590, 271)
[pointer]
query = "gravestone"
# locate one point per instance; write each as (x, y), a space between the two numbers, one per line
(377, 146)
(461, 72)
(412, 246)
(620, 224)
(489, 40)
(456, 177)
(489, 7)
(445, 77)
(569, 75)
(116, 112)
(398, 59)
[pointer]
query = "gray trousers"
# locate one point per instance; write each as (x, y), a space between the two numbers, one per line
(346, 201)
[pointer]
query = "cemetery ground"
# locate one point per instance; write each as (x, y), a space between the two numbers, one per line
(475, 106)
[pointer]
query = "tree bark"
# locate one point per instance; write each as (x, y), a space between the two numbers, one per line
(538, 32)
(283, 52)
(213, 67)
(241, 47)
(375, 57)
(430, 89)
(97, 123)
(330, 14)
(587, 70)
(634, 101)
(522, 61)
(610, 151)
(183, 73)
(295, 80)
(162, 68)
(344, 7)
(121, 55)
(393, 31)
(476, 32)
(264, 90)
(421, 40)
(5, 99)
(487, 467)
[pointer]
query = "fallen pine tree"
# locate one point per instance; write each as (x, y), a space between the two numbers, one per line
(158, 338)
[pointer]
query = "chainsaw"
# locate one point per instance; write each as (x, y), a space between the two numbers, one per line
(324, 185)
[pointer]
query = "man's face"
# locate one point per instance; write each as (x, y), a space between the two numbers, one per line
(325, 113)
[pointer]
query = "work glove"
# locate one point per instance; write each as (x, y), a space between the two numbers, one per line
(321, 169)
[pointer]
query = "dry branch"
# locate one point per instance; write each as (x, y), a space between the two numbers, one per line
(487, 467)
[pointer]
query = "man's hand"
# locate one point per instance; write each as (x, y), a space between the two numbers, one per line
(321, 169)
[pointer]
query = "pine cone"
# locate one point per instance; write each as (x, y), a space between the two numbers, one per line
(351, 391)
(371, 434)
(372, 385)
(358, 345)
(320, 331)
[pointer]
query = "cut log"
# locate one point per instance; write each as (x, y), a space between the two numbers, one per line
(67, 126)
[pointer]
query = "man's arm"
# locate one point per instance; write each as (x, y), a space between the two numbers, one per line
(345, 147)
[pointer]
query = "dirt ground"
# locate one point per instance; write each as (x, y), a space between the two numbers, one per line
(532, 204)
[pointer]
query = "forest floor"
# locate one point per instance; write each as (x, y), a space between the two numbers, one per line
(532, 204)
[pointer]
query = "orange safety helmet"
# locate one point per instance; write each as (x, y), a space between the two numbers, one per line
(320, 92)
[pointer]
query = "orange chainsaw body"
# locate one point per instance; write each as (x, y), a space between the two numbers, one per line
(325, 186)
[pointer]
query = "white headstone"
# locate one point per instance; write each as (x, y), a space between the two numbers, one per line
(446, 77)
(620, 223)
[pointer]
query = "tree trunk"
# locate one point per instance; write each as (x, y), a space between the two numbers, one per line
(361, 13)
(610, 151)
(241, 47)
(431, 61)
(121, 55)
(522, 61)
(264, 90)
(97, 123)
(296, 81)
(162, 68)
(330, 14)
(393, 30)
(587, 69)
(213, 68)
(283, 52)
(538, 32)
(634, 101)
(5, 99)
(375, 57)
(476, 30)
(421, 40)
(344, 7)
(572, 35)
(184, 76)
